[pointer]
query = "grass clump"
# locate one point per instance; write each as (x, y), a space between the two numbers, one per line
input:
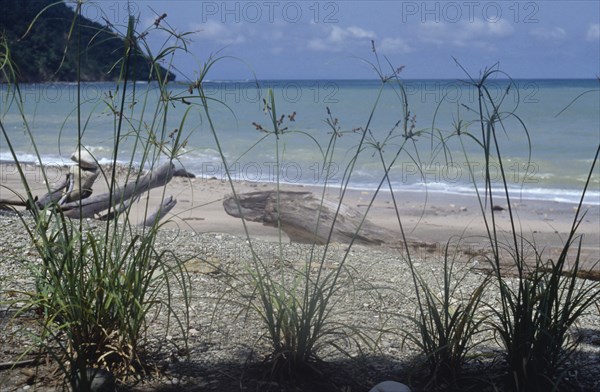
(297, 306)
(537, 310)
(294, 304)
(448, 322)
(96, 295)
(533, 315)
(98, 284)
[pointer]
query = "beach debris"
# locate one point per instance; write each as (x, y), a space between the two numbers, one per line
(73, 193)
(121, 196)
(308, 219)
(498, 208)
(80, 182)
(165, 207)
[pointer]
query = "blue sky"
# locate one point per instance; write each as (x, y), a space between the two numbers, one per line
(328, 39)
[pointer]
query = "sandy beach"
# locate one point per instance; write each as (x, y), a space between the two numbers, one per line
(429, 219)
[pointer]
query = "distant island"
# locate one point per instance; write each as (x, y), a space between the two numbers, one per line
(39, 54)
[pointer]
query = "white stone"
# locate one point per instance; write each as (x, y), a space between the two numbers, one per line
(390, 386)
(84, 159)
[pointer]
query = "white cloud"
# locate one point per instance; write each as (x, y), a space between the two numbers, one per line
(396, 45)
(357, 32)
(219, 32)
(593, 33)
(339, 38)
(554, 33)
(477, 33)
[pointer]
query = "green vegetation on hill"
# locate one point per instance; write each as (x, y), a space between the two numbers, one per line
(38, 55)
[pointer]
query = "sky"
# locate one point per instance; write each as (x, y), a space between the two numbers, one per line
(332, 39)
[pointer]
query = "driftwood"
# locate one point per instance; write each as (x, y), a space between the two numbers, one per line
(93, 205)
(301, 220)
(117, 210)
(73, 194)
(80, 184)
(55, 193)
(11, 202)
(77, 184)
(166, 206)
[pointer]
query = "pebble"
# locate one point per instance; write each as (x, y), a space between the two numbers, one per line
(224, 331)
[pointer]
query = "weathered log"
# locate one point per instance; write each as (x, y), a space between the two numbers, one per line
(54, 195)
(164, 208)
(118, 209)
(307, 219)
(16, 203)
(72, 194)
(80, 184)
(88, 208)
(20, 202)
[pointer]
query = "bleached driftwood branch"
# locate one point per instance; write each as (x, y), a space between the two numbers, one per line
(73, 195)
(93, 205)
(166, 206)
(305, 218)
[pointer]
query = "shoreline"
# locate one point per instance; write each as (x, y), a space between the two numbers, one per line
(429, 219)
(429, 188)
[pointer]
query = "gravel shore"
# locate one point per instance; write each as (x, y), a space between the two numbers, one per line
(376, 294)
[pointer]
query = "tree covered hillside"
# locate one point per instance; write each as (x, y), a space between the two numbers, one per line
(38, 55)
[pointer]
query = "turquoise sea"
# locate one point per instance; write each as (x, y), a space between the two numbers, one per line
(549, 161)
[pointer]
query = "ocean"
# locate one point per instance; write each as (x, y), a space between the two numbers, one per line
(548, 138)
